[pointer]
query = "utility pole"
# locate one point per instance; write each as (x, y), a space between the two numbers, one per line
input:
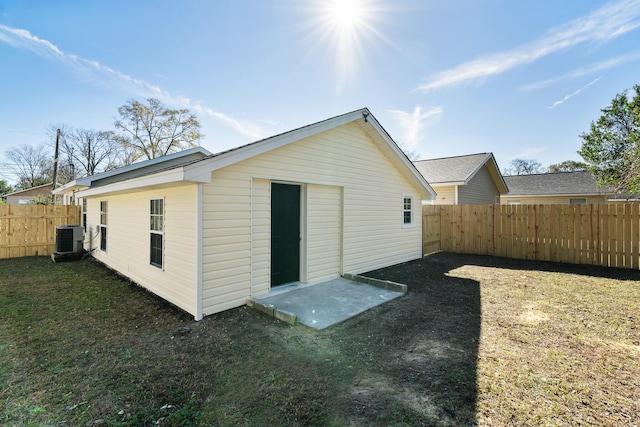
(55, 161)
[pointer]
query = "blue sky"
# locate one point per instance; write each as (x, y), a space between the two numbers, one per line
(519, 79)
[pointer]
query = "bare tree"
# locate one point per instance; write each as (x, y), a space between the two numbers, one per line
(87, 151)
(32, 166)
(524, 167)
(153, 130)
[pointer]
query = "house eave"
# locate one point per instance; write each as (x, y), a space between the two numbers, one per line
(201, 171)
(169, 177)
(447, 184)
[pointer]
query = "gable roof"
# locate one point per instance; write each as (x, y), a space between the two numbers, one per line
(459, 170)
(199, 170)
(554, 184)
(30, 190)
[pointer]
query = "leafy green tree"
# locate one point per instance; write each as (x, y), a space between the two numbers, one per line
(152, 130)
(42, 200)
(568, 166)
(524, 167)
(5, 188)
(611, 149)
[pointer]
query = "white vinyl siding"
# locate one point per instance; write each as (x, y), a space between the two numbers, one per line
(236, 214)
(226, 236)
(129, 243)
(446, 195)
(260, 236)
(324, 232)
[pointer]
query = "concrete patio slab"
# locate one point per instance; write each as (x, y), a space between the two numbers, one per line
(324, 304)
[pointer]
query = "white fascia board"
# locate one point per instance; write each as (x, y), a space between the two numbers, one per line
(87, 181)
(69, 186)
(448, 184)
(500, 176)
(199, 171)
(167, 177)
(65, 189)
(475, 171)
(403, 157)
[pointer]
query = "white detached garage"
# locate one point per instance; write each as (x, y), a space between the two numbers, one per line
(334, 197)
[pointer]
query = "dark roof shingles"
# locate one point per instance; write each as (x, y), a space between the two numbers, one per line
(560, 183)
(451, 169)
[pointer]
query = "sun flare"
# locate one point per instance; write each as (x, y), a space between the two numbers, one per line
(348, 31)
(345, 13)
(346, 27)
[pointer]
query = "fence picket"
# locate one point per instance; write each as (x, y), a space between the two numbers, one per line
(30, 230)
(606, 235)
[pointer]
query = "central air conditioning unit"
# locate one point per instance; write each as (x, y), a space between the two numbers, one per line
(69, 239)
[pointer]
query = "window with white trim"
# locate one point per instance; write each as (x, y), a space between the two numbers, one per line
(156, 232)
(408, 207)
(103, 226)
(84, 214)
(578, 201)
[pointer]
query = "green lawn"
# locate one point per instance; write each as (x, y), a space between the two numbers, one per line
(475, 341)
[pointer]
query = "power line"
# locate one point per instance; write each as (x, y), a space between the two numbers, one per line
(22, 131)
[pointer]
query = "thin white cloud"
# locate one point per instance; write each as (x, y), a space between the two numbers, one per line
(529, 153)
(608, 22)
(253, 131)
(571, 95)
(91, 70)
(413, 124)
(589, 69)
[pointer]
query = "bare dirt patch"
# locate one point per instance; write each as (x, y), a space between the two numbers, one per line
(475, 341)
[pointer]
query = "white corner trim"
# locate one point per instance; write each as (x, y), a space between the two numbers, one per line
(198, 252)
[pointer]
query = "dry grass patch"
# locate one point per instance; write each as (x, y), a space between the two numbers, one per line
(475, 341)
(557, 347)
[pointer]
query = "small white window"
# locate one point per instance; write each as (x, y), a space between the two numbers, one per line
(408, 207)
(103, 226)
(578, 201)
(84, 214)
(514, 202)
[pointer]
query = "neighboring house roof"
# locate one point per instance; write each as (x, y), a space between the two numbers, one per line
(579, 183)
(134, 169)
(39, 189)
(459, 170)
(199, 170)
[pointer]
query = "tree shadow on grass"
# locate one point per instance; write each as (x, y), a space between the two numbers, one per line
(523, 264)
(416, 355)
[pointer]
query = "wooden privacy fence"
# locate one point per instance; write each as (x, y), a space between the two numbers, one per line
(30, 230)
(603, 234)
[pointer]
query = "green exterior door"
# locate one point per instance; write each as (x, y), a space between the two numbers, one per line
(285, 233)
